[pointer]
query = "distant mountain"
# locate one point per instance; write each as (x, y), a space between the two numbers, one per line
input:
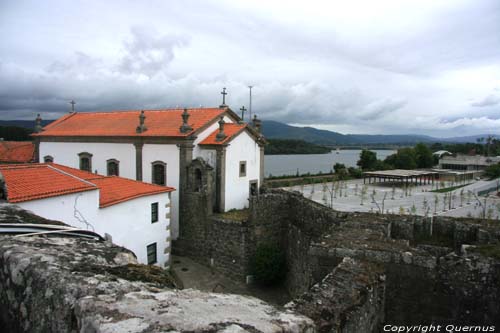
(277, 130)
(472, 138)
(30, 124)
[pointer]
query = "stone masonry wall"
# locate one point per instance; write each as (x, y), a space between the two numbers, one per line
(349, 299)
(66, 284)
(414, 251)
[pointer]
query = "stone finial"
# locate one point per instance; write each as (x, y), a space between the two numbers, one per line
(221, 135)
(38, 124)
(256, 123)
(185, 126)
(223, 93)
(141, 128)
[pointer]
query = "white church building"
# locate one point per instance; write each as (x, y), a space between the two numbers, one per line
(135, 214)
(159, 146)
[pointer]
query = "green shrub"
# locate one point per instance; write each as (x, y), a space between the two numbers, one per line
(268, 264)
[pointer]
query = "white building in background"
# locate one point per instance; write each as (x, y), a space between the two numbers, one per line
(135, 214)
(467, 162)
(159, 146)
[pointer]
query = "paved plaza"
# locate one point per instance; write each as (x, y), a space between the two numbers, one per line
(353, 195)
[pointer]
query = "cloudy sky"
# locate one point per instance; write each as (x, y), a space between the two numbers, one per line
(378, 67)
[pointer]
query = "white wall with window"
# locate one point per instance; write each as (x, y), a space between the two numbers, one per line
(242, 153)
(168, 154)
(129, 223)
(66, 153)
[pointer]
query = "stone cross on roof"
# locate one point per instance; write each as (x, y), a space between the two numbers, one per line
(223, 93)
(72, 106)
(242, 109)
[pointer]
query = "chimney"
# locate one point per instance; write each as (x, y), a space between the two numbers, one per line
(141, 128)
(185, 126)
(221, 135)
(38, 124)
(256, 123)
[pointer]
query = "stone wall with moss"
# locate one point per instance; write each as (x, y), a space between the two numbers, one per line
(65, 284)
(416, 252)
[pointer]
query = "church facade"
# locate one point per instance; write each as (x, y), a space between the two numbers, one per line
(207, 150)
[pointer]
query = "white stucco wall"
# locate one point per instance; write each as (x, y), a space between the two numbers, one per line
(66, 153)
(128, 223)
(241, 148)
(168, 154)
(62, 208)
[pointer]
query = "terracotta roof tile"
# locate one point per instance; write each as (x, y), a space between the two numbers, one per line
(164, 122)
(17, 152)
(26, 182)
(230, 129)
(116, 189)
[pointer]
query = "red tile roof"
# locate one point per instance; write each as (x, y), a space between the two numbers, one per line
(124, 123)
(26, 182)
(230, 129)
(36, 181)
(16, 152)
(116, 189)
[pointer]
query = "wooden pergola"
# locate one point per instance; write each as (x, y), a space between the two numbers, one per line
(417, 177)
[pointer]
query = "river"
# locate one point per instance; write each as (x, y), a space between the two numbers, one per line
(279, 165)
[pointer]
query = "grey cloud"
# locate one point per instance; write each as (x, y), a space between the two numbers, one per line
(490, 100)
(381, 108)
(78, 62)
(303, 73)
(149, 54)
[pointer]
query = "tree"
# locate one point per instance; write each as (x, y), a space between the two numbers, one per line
(340, 170)
(367, 160)
(355, 172)
(15, 133)
(423, 156)
(405, 158)
(493, 171)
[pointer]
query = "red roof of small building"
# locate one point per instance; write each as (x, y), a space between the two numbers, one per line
(230, 129)
(26, 182)
(165, 123)
(17, 152)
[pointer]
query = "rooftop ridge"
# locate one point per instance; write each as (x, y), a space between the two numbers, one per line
(68, 174)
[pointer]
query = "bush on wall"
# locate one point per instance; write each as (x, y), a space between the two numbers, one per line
(268, 264)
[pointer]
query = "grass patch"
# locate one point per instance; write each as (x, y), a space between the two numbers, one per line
(449, 189)
(236, 214)
(491, 250)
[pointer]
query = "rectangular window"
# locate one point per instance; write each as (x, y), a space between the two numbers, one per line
(151, 254)
(243, 168)
(154, 212)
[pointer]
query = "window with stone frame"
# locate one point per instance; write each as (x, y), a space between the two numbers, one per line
(48, 159)
(151, 251)
(159, 173)
(113, 167)
(154, 212)
(85, 161)
(243, 168)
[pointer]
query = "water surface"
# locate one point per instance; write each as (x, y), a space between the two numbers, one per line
(278, 165)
